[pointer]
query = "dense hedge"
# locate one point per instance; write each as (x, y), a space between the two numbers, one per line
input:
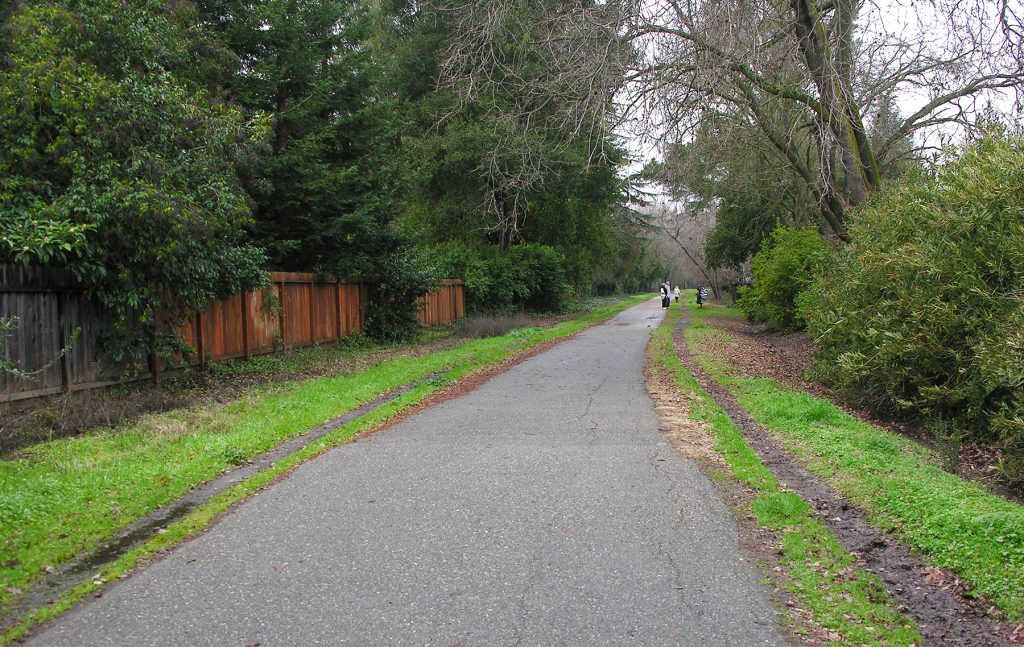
(782, 270)
(526, 277)
(924, 311)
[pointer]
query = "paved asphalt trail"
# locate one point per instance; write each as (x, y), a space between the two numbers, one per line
(542, 508)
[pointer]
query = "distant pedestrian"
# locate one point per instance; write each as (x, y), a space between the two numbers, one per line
(677, 294)
(702, 295)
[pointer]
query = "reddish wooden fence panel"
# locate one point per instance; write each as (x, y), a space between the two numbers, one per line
(297, 309)
(261, 318)
(447, 305)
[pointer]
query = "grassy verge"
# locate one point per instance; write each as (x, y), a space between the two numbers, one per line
(956, 523)
(58, 499)
(854, 606)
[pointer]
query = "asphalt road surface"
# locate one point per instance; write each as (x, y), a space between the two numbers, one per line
(543, 508)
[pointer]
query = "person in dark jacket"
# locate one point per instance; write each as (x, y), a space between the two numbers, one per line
(702, 295)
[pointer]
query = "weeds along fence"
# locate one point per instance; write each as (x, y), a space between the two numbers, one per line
(297, 309)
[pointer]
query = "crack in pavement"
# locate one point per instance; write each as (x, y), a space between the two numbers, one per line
(594, 436)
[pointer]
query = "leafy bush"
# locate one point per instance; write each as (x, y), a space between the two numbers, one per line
(116, 166)
(783, 269)
(526, 277)
(924, 311)
(405, 275)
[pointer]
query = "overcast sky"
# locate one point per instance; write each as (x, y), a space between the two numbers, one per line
(879, 18)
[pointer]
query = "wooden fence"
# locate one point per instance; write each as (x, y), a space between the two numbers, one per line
(296, 310)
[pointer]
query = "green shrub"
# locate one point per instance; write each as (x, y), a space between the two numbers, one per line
(924, 311)
(783, 269)
(542, 270)
(404, 276)
(118, 169)
(526, 277)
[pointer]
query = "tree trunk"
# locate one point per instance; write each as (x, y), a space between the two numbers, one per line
(831, 71)
(699, 266)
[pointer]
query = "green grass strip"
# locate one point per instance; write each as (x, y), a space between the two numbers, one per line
(200, 518)
(900, 484)
(59, 499)
(821, 574)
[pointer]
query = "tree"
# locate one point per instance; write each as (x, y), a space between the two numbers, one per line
(803, 73)
(729, 171)
(123, 167)
(684, 227)
(325, 186)
(528, 142)
(483, 174)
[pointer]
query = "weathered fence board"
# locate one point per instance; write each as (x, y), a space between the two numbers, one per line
(32, 348)
(297, 309)
(447, 305)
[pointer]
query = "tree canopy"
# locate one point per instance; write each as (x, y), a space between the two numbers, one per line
(113, 161)
(158, 148)
(161, 148)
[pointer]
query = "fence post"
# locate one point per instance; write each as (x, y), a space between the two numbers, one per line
(245, 325)
(337, 310)
(65, 341)
(200, 343)
(281, 315)
(312, 312)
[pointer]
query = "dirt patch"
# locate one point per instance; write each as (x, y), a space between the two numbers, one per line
(786, 357)
(932, 596)
(688, 436)
(693, 441)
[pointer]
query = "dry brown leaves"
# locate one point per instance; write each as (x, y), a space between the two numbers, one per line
(688, 436)
(785, 357)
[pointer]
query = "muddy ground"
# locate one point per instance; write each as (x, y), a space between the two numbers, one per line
(933, 597)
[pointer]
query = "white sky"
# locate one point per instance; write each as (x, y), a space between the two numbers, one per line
(879, 18)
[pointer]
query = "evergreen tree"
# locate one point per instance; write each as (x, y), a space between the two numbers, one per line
(324, 187)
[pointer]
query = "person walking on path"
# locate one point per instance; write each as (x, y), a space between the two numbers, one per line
(702, 295)
(677, 294)
(664, 295)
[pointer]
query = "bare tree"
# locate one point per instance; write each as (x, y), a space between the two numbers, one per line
(813, 76)
(683, 228)
(525, 72)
